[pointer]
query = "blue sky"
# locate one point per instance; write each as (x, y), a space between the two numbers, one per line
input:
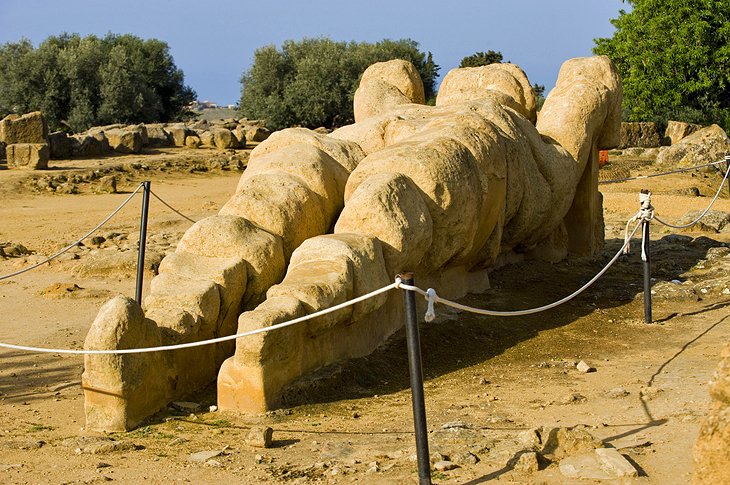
(214, 43)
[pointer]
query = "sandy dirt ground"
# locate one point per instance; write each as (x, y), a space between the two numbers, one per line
(490, 382)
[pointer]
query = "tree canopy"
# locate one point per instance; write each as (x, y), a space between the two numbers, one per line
(674, 60)
(312, 82)
(78, 82)
(482, 59)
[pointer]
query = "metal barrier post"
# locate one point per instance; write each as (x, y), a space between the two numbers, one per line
(142, 240)
(646, 258)
(413, 342)
(727, 169)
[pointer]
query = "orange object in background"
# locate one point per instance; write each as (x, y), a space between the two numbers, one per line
(602, 158)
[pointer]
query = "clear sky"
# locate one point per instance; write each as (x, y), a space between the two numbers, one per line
(213, 43)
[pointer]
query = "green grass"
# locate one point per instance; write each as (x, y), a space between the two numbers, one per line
(39, 427)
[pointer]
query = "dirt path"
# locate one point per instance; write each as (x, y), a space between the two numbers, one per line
(490, 381)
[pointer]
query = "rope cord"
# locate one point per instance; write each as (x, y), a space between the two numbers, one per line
(210, 341)
(645, 214)
(432, 297)
(172, 208)
(679, 170)
(70, 246)
(704, 213)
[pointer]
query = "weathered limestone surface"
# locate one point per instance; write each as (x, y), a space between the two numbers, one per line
(712, 449)
(644, 134)
(33, 156)
(385, 85)
(505, 83)
(28, 128)
(710, 144)
(678, 130)
(222, 265)
(125, 140)
(448, 191)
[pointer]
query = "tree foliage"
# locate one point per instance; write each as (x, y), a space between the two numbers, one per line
(674, 60)
(79, 81)
(312, 82)
(482, 59)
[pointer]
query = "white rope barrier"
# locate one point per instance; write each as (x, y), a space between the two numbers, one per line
(74, 244)
(670, 172)
(210, 341)
(433, 298)
(704, 213)
(646, 213)
(172, 208)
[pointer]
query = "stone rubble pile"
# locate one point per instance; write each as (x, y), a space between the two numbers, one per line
(26, 143)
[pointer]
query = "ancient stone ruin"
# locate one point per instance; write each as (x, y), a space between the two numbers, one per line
(24, 140)
(450, 191)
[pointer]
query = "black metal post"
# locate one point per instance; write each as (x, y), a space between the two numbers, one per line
(413, 341)
(142, 240)
(646, 258)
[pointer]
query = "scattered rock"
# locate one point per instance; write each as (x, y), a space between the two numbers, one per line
(562, 442)
(259, 437)
(443, 466)
(584, 368)
(186, 406)
(466, 458)
(617, 392)
(573, 398)
(455, 425)
(107, 185)
(530, 438)
(602, 464)
(60, 290)
(436, 457)
(203, 456)
(97, 445)
(527, 463)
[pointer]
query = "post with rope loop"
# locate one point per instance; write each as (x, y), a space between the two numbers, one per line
(413, 342)
(646, 210)
(142, 240)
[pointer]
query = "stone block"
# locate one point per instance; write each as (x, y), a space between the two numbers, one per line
(28, 128)
(33, 156)
(60, 145)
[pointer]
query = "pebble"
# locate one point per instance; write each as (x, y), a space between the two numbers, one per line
(466, 458)
(527, 462)
(617, 392)
(584, 368)
(443, 466)
(203, 456)
(573, 398)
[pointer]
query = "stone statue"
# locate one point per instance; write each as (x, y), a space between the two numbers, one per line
(450, 191)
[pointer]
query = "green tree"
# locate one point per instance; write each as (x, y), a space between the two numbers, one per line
(674, 60)
(312, 82)
(482, 59)
(82, 81)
